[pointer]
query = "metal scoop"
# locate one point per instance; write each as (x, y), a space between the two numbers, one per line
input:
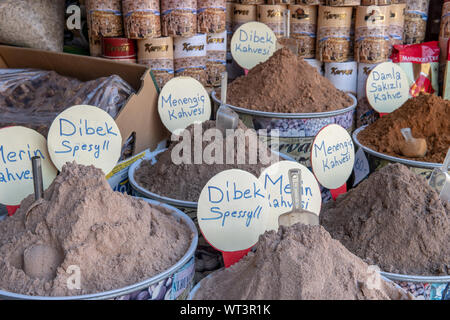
(286, 41)
(226, 118)
(38, 185)
(440, 179)
(413, 147)
(297, 215)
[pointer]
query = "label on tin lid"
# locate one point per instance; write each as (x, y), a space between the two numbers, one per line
(118, 48)
(157, 48)
(87, 135)
(244, 13)
(190, 47)
(216, 41)
(182, 102)
(17, 146)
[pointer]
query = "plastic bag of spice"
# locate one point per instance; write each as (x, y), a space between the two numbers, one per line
(31, 23)
(33, 98)
(421, 63)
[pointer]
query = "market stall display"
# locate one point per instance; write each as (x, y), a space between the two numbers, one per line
(172, 154)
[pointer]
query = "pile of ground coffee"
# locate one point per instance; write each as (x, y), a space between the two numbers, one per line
(286, 83)
(185, 181)
(299, 262)
(395, 220)
(426, 115)
(114, 239)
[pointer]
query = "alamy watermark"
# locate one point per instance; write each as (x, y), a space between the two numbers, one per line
(234, 146)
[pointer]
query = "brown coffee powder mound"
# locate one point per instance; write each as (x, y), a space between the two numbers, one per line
(299, 262)
(186, 181)
(114, 239)
(286, 84)
(395, 220)
(428, 118)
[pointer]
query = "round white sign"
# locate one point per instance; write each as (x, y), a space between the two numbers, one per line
(182, 102)
(275, 180)
(387, 87)
(332, 156)
(233, 210)
(17, 146)
(252, 43)
(87, 135)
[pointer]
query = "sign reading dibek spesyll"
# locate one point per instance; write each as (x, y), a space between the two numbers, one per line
(252, 43)
(333, 158)
(87, 135)
(17, 146)
(232, 213)
(275, 180)
(182, 102)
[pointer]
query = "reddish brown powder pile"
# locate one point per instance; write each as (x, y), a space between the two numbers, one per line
(286, 84)
(185, 181)
(116, 240)
(298, 263)
(393, 219)
(426, 115)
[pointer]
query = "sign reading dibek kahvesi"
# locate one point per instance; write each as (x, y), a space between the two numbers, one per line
(182, 102)
(233, 210)
(332, 156)
(18, 145)
(87, 135)
(252, 43)
(387, 87)
(275, 180)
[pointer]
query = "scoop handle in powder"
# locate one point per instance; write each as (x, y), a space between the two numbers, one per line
(226, 119)
(287, 23)
(223, 88)
(37, 178)
(295, 178)
(407, 134)
(445, 192)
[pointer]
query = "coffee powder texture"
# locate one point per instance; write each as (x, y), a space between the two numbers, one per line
(299, 262)
(114, 239)
(427, 116)
(286, 83)
(185, 181)
(395, 220)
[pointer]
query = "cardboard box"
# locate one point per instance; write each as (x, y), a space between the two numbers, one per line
(140, 113)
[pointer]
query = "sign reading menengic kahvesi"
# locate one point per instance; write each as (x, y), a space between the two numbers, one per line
(182, 102)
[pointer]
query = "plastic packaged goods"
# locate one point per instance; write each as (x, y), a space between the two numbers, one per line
(178, 18)
(211, 16)
(142, 19)
(105, 18)
(33, 98)
(34, 24)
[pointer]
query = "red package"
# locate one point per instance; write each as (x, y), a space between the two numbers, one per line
(420, 61)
